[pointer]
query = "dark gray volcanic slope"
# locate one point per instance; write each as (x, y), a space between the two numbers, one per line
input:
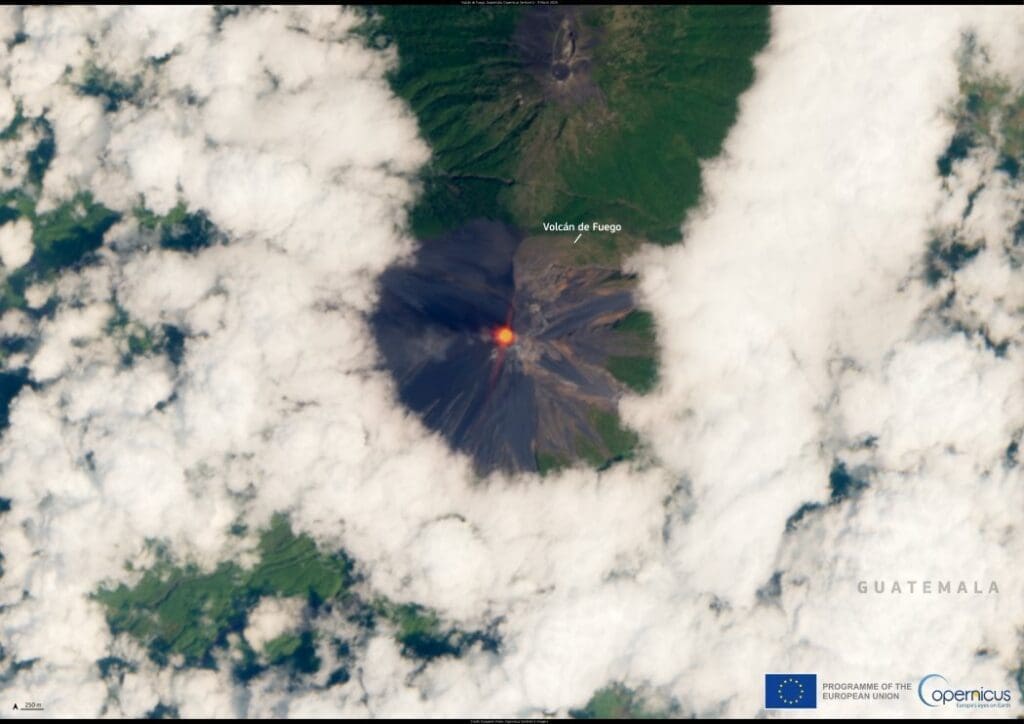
(504, 406)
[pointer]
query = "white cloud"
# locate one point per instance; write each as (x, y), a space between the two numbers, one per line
(799, 329)
(63, 340)
(272, 618)
(16, 243)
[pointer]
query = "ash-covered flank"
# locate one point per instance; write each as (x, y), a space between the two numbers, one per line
(434, 328)
(540, 398)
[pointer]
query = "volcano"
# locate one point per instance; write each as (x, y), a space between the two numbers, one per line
(503, 347)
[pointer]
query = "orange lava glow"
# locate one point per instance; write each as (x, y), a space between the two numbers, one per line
(504, 336)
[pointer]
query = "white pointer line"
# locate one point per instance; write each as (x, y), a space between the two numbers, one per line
(577, 238)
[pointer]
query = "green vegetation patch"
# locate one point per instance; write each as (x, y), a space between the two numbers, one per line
(181, 229)
(291, 565)
(616, 442)
(550, 463)
(419, 631)
(989, 112)
(282, 647)
(422, 634)
(637, 322)
(294, 651)
(672, 77)
(503, 148)
(183, 610)
(63, 237)
(180, 610)
(638, 373)
(69, 232)
(618, 701)
(639, 370)
(473, 102)
(135, 339)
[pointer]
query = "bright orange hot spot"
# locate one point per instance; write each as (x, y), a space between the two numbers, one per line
(504, 336)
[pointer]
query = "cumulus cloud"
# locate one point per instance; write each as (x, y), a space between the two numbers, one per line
(804, 333)
(15, 243)
(273, 617)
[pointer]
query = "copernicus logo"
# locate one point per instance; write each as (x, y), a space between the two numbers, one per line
(935, 690)
(790, 691)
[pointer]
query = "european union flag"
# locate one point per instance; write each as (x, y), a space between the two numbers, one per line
(790, 691)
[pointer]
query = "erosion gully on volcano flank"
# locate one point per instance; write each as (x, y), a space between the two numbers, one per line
(502, 346)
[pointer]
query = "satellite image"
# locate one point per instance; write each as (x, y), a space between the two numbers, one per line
(511, 360)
